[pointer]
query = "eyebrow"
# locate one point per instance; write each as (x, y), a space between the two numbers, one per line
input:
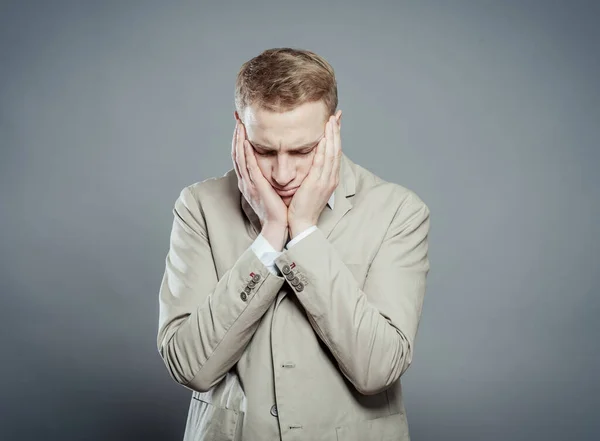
(295, 149)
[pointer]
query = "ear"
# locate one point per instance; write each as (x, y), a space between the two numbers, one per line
(338, 117)
(236, 116)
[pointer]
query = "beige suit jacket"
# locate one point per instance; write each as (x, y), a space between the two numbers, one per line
(316, 354)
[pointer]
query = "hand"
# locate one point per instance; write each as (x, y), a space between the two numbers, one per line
(322, 179)
(264, 200)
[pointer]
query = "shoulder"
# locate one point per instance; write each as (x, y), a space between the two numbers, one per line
(213, 188)
(202, 194)
(399, 198)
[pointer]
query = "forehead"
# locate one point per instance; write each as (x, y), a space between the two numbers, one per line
(298, 126)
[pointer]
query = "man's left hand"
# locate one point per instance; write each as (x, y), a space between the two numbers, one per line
(323, 177)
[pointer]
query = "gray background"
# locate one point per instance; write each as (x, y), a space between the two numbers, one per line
(488, 110)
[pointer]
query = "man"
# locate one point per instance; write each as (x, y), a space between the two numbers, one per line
(294, 283)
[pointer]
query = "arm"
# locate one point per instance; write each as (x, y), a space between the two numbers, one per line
(369, 331)
(205, 323)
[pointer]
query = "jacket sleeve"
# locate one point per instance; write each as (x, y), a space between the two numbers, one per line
(205, 324)
(369, 331)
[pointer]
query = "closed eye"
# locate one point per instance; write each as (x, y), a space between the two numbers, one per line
(272, 153)
(297, 152)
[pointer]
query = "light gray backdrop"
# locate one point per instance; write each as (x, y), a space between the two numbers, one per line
(489, 110)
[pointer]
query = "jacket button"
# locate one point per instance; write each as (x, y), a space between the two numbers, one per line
(247, 289)
(274, 410)
(295, 281)
(290, 275)
(251, 284)
(299, 287)
(243, 296)
(285, 269)
(256, 278)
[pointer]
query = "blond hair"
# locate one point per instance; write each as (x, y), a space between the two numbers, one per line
(281, 79)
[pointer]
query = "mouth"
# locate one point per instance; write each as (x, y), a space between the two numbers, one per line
(286, 192)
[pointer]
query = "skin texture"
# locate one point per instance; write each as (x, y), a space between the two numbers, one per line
(267, 156)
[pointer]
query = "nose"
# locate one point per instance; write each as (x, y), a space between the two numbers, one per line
(283, 172)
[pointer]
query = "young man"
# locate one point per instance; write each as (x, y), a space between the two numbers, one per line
(294, 283)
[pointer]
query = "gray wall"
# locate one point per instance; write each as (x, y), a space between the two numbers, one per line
(488, 110)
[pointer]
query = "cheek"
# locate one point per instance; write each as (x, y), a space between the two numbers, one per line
(305, 163)
(264, 165)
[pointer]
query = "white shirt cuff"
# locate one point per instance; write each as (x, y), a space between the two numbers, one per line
(266, 253)
(300, 236)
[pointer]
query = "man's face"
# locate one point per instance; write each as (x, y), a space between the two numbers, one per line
(285, 143)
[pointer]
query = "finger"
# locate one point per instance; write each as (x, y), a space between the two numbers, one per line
(337, 136)
(237, 154)
(317, 164)
(253, 171)
(241, 155)
(329, 152)
(234, 151)
(233, 140)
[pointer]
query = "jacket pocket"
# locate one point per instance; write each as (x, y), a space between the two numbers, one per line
(388, 428)
(207, 422)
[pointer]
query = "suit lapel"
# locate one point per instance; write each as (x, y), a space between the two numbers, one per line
(342, 204)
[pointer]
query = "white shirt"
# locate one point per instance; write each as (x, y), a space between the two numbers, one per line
(267, 254)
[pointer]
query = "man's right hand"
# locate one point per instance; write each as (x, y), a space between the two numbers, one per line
(264, 200)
